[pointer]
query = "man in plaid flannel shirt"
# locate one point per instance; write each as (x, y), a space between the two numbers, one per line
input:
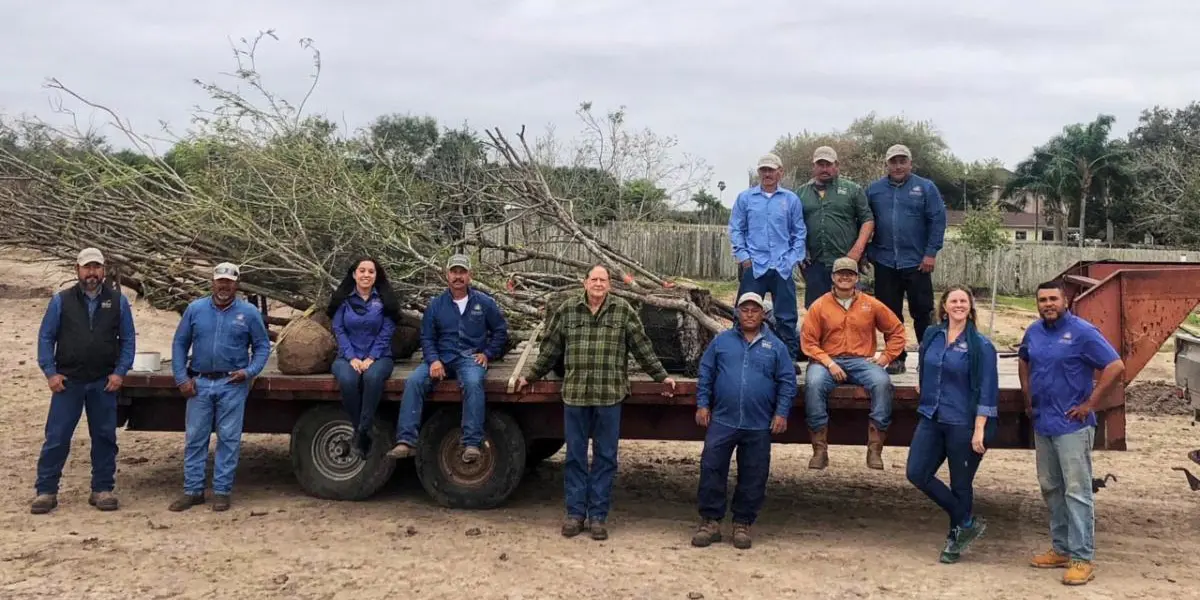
(594, 332)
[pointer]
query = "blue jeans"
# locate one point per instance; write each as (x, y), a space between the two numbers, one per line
(818, 281)
(470, 376)
(783, 296)
(65, 409)
(934, 443)
(217, 406)
(1064, 466)
(754, 465)
(361, 392)
(818, 384)
(589, 491)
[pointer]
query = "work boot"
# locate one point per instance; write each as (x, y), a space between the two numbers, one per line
(875, 439)
(708, 533)
(43, 504)
(471, 454)
(185, 501)
(599, 531)
(820, 444)
(1050, 560)
(105, 501)
(400, 450)
(220, 502)
(1079, 572)
(741, 536)
(572, 526)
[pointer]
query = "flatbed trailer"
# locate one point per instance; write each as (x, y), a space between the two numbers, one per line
(1136, 305)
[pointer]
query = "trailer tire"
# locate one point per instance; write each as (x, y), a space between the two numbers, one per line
(484, 484)
(322, 458)
(538, 450)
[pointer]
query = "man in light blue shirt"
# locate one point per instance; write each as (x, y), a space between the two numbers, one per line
(220, 330)
(767, 232)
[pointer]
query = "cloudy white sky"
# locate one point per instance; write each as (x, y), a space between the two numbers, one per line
(728, 78)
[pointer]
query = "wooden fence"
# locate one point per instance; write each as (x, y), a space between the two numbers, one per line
(703, 252)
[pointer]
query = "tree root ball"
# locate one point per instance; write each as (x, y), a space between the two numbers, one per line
(306, 346)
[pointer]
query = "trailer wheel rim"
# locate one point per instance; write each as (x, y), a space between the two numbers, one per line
(332, 454)
(462, 474)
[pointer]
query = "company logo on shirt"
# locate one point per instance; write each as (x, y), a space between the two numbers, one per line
(915, 191)
(1066, 338)
(477, 308)
(106, 304)
(240, 317)
(766, 345)
(960, 347)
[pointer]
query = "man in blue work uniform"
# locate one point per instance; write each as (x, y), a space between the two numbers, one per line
(461, 332)
(910, 226)
(229, 345)
(85, 348)
(1060, 355)
(767, 232)
(744, 394)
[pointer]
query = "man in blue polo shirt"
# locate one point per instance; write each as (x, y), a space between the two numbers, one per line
(910, 226)
(1060, 355)
(767, 233)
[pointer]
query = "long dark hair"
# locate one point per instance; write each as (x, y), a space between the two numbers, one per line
(391, 305)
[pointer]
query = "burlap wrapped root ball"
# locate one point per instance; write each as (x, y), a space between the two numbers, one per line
(306, 346)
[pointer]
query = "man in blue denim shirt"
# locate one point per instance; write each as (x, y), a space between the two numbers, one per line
(230, 347)
(767, 233)
(910, 227)
(744, 394)
(462, 330)
(1060, 356)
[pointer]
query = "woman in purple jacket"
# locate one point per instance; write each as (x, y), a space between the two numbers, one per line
(364, 310)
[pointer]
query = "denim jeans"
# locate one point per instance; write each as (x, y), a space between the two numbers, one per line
(470, 376)
(934, 443)
(217, 406)
(65, 409)
(818, 384)
(818, 281)
(1064, 466)
(754, 465)
(783, 296)
(361, 392)
(589, 491)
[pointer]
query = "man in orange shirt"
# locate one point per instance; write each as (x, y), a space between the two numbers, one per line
(838, 336)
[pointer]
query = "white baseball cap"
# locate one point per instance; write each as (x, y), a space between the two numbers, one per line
(750, 297)
(226, 270)
(89, 255)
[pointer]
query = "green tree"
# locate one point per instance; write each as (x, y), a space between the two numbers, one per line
(1165, 148)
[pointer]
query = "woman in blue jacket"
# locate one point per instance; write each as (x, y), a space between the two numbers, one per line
(959, 384)
(364, 311)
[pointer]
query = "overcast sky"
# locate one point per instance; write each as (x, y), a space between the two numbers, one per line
(728, 78)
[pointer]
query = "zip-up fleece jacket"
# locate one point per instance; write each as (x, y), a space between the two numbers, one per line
(745, 384)
(830, 331)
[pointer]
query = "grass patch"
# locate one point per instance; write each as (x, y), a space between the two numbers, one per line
(719, 289)
(1023, 303)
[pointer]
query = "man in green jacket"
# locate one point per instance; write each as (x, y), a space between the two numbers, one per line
(839, 222)
(595, 332)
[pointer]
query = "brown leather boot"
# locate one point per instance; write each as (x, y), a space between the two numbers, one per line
(820, 444)
(875, 439)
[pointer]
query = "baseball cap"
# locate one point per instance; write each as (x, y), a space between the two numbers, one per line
(89, 255)
(845, 263)
(825, 153)
(897, 150)
(750, 297)
(226, 270)
(769, 161)
(459, 260)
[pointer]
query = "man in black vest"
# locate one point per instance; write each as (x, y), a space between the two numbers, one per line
(85, 347)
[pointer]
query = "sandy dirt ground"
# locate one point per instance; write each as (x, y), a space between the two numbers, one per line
(847, 532)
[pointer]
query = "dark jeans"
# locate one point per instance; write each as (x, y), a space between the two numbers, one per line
(818, 281)
(589, 491)
(361, 392)
(754, 465)
(65, 409)
(934, 443)
(892, 285)
(470, 376)
(783, 296)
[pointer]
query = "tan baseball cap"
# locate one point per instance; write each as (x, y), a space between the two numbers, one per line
(89, 255)
(845, 263)
(897, 150)
(750, 297)
(769, 161)
(825, 153)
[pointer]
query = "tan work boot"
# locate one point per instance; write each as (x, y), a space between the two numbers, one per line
(105, 501)
(185, 501)
(1049, 560)
(221, 502)
(708, 533)
(572, 526)
(875, 439)
(1079, 572)
(820, 444)
(741, 536)
(43, 504)
(401, 450)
